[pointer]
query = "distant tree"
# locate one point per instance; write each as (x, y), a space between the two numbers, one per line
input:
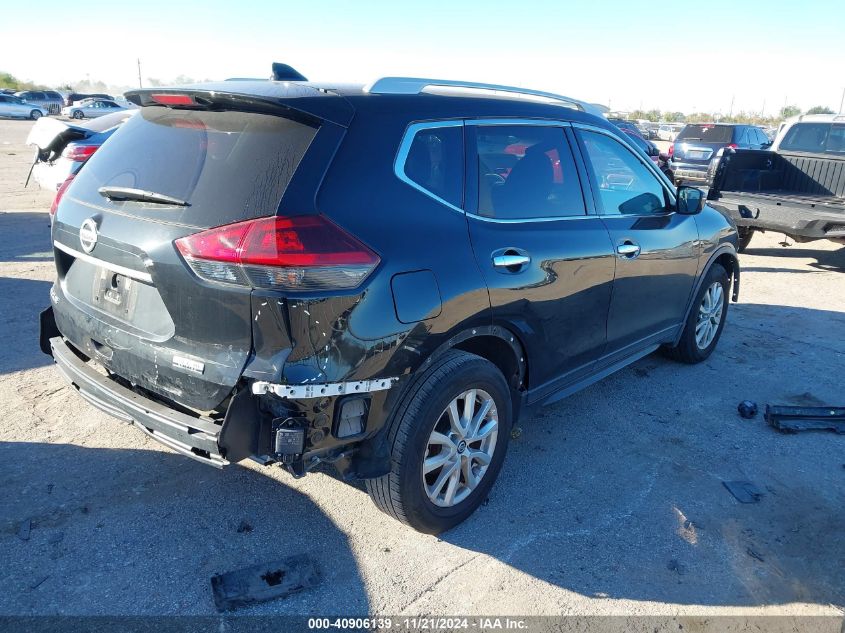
(680, 117)
(788, 111)
(155, 83)
(819, 110)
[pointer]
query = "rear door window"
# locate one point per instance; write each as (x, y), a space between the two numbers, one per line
(526, 172)
(814, 138)
(228, 166)
(435, 162)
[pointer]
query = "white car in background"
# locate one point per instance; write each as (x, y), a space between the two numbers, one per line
(16, 108)
(91, 109)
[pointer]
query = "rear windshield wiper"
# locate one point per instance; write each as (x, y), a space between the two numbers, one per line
(138, 195)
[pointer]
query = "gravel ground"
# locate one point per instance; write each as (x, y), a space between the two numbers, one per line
(611, 501)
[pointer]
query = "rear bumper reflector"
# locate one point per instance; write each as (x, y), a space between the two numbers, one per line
(297, 392)
(194, 437)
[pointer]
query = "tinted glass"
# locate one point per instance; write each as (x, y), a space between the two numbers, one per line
(526, 172)
(808, 137)
(229, 166)
(836, 140)
(707, 133)
(624, 184)
(436, 162)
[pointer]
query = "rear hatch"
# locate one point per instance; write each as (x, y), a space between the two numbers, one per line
(697, 144)
(127, 297)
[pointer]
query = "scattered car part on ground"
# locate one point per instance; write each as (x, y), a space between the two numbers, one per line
(743, 491)
(791, 419)
(747, 409)
(796, 188)
(261, 583)
(236, 321)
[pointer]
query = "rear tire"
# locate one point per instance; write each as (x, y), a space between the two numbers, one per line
(409, 495)
(706, 320)
(35, 115)
(745, 233)
(77, 115)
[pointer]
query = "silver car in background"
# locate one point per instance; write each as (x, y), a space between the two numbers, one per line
(14, 107)
(50, 100)
(91, 109)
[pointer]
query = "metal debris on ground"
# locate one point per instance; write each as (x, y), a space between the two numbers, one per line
(260, 583)
(794, 419)
(24, 529)
(744, 491)
(747, 409)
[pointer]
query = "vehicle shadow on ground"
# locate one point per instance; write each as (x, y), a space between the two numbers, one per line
(617, 492)
(824, 259)
(26, 237)
(116, 531)
(21, 301)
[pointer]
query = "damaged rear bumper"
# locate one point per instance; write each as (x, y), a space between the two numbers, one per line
(194, 437)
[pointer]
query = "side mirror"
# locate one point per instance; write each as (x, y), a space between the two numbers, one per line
(663, 156)
(653, 150)
(766, 145)
(690, 200)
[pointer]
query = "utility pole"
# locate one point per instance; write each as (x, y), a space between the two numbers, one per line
(731, 111)
(842, 101)
(139, 73)
(763, 110)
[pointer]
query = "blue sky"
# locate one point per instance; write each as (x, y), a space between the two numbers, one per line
(671, 55)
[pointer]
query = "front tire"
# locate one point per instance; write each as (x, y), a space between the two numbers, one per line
(35, 115)
(448, 439)
(77, 114)
(706, 320)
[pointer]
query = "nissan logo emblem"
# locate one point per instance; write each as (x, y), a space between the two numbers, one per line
(88, 235)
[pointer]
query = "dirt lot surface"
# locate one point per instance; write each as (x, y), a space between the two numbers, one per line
(611, 501)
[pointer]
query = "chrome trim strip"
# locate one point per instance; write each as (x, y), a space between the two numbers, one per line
(405, 148)
(518, 121)
(557, 218)
(260, 387)
(121, 270)
(416, 85)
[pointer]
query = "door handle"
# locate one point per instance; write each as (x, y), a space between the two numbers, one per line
(510, 261)
(628, 249)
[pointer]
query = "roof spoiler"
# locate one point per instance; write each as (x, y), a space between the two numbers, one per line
(283, 72)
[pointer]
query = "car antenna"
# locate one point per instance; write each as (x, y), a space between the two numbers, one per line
(283, 72)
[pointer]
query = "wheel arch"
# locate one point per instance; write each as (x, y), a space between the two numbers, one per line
(726, 257)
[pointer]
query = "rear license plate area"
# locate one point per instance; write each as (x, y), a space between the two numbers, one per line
(696, 155)
(115, 294)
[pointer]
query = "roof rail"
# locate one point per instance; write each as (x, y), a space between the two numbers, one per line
(417, 85)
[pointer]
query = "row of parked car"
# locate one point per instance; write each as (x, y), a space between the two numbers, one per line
(34, 104)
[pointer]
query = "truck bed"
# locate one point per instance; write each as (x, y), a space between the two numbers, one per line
(802, 196)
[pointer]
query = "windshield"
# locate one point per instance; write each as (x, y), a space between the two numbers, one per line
(707, 133)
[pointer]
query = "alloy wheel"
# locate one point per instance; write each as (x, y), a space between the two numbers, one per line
(460, 448)
(709, 315)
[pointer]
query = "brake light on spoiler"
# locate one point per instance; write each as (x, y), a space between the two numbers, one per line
(290, 253)
(165, 99)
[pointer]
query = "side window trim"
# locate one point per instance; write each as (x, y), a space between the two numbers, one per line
(404, 149)
(661, 178)
(471, 193)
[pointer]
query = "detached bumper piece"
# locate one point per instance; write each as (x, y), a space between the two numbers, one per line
(795, 419)
(194, 437)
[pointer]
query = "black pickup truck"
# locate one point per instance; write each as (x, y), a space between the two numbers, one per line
(796, 188)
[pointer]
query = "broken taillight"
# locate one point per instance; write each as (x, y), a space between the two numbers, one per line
(293, 253)
(59, 193)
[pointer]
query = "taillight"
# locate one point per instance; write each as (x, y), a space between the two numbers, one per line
(671, 150)
(296, 253)
(79, 153)
(59, 193)
(166, 99)
(731, 146)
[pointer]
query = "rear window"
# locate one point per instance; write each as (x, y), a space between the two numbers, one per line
(707, 133)
(228, 166)
(815, 138)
